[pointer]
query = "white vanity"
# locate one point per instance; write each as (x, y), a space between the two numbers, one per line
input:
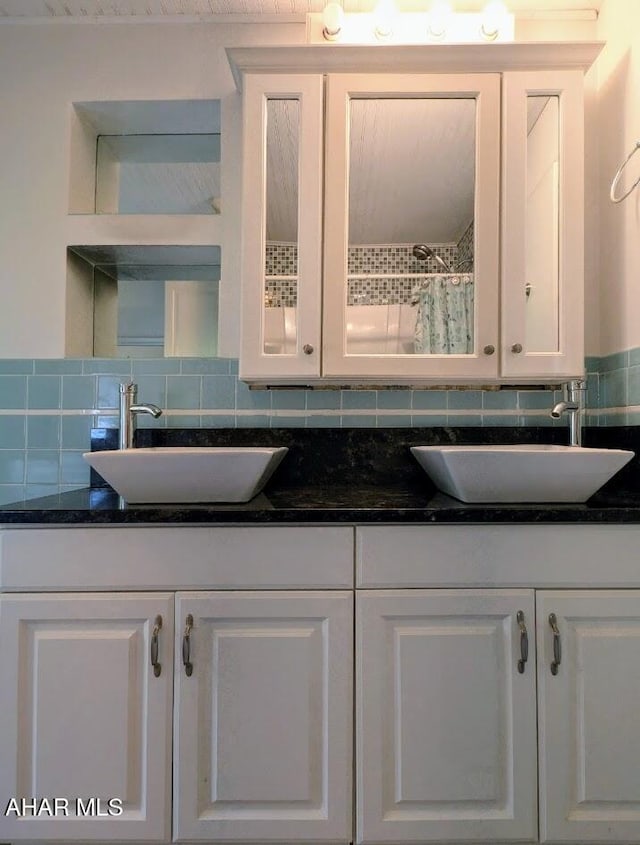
(227, 655)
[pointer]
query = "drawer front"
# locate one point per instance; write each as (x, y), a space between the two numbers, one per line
(168, 558)
(505, 555)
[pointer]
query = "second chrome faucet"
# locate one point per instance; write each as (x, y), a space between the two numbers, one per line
(129, 409)
(572, 405)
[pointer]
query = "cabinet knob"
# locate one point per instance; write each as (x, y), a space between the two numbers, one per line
(307, 349)
(489, 349)
(516, 348)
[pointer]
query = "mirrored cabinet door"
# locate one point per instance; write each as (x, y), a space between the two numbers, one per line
(411, 226)
(282, 234)
(542, 224)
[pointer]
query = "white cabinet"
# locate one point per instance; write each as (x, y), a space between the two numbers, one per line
(263, 722)
(446, 730)
(259, 726)
(448, 741)
(417, 226)
(589, 719)
(85, 715)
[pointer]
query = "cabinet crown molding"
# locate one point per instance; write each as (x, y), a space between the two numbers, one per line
(412, 58)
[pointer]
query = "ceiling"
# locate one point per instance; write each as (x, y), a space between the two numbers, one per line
(82, 9)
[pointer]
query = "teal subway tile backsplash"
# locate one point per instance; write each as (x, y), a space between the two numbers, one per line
(288, 400)
(12, 464)
(43, 466)
(356, 399)
(394, 400)
(182, 392)
(16, 366)
(44, 392)
(218, 391)
(57, 366)
(13, 431)
(47, 408)
(13, 392)
(43, 432)
(78, 392)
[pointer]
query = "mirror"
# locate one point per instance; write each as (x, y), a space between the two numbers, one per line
(158, 174)
(542, 329)
(281, 242)
(411, 234)
(151, 301)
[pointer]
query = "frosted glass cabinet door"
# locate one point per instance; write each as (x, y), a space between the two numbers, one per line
(263, 719)
(589, 716)
(84, 715)
(445, 721)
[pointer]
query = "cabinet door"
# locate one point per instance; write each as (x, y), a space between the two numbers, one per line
(282, 227)
(263, 723)
(446, 723)
(543, 225)
(590, 716)
(411, 226)
(84, 715)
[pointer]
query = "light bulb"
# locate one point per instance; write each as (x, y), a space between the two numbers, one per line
(493, 18)
(332, 21)
(384, 17)
(439, 18)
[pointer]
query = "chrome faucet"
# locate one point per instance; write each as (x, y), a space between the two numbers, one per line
(129, 409)
(572, 405)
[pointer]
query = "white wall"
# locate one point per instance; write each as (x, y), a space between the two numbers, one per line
(618, 129)
(43, 69)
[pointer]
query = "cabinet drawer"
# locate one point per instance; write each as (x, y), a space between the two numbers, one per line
(168, 558)
(508, 555)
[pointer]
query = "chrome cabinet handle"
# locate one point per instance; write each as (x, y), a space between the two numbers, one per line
(186, 647)
(157, 625)
(524, 642)
(557, 650)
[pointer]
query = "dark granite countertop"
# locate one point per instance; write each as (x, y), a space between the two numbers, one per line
(344, 476)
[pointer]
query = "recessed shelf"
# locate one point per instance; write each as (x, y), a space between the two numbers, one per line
(145, 301)
(145, 157)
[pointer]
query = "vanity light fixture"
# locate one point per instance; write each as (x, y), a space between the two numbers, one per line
(494, 17)
(386, 25)
(332, 21)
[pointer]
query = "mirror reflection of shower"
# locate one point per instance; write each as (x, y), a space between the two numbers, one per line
(423, 252)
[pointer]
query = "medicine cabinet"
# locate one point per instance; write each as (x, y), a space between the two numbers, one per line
(413, 216)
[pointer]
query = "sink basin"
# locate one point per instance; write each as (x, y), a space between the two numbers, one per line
(535, 473)
(187, 474)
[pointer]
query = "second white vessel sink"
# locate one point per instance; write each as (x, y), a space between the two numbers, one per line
(520, 473)
(187, 474)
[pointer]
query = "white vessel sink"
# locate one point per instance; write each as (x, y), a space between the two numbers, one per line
(187, 474)
(535, 473)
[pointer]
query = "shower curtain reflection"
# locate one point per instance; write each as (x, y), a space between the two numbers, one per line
(444, 320)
